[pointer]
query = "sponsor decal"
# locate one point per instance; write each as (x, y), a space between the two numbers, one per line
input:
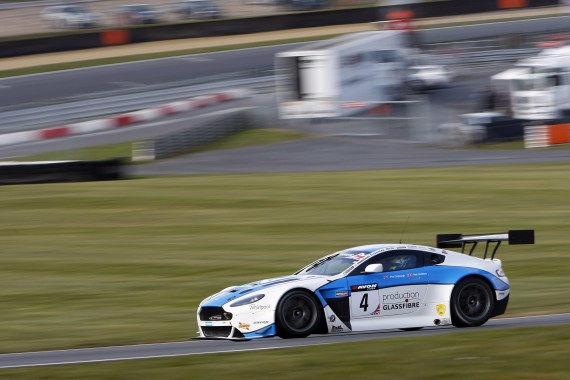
(364, 287)
(244, 326)
(400, 300)
(337, 329)
(400, 296)
(344, 293)
(358, 256)
(332, 318)
(376, 311)
(399, 306)
(215, 318)
(209, 324)
(258, 307)
(440, 308)
(395, 276)
(408, 275)
(260, 322)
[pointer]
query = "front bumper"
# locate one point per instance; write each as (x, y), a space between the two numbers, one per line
(232, 333)
(216, 322)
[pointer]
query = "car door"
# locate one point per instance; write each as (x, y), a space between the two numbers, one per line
(400, 288)
(364, 295)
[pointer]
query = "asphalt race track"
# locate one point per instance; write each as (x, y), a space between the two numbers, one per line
(199, 347)
(45, 88)
(338, 153)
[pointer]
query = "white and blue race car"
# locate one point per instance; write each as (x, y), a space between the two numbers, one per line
(370, 287)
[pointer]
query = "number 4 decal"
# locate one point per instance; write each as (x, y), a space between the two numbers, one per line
(364, 302)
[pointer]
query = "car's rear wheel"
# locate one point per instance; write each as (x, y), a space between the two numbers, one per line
(471, 303)
(298, 314)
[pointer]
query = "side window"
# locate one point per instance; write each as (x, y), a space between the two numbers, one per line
(433, 258)
(401, 259)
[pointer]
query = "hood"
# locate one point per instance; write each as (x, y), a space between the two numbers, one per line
(234, 292)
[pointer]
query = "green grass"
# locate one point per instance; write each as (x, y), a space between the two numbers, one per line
(90, 264)
(240, 139)
(521, 353)
(87, 153)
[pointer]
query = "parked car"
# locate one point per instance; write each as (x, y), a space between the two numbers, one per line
(70, 16)
(197, 9)
(429, 77)
(137, 14)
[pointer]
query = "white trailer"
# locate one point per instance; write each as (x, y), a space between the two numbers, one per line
(334, 77)
(539, 87)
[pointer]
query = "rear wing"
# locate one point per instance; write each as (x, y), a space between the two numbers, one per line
(460, 241)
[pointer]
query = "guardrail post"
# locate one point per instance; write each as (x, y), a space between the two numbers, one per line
(143, 151)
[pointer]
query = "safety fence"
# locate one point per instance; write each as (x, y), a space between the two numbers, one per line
(406, 120)
(194, 137)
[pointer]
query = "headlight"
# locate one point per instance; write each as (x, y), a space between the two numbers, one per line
(500, 272)
(248, 300)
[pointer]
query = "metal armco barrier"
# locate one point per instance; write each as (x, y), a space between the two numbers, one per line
(16, 173)
(179, 142)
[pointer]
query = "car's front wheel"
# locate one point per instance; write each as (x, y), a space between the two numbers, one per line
(471, 303)
(298, 314)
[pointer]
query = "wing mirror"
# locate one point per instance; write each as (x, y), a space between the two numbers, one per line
(374, 268)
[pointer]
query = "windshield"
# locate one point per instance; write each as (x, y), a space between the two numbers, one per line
(334, 264)
(534, 82)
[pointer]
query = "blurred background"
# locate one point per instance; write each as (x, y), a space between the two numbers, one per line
(32, 17)
(234, 175)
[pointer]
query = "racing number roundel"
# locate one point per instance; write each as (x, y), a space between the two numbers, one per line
(364, 300)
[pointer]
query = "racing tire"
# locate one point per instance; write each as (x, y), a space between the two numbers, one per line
(472, 303)
(298, 315)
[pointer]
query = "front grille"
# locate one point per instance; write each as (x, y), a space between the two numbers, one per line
(211, 313)
(216, 331)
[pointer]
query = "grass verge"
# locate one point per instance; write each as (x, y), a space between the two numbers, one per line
(520, 353)
(91, 264)
(240, 139)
